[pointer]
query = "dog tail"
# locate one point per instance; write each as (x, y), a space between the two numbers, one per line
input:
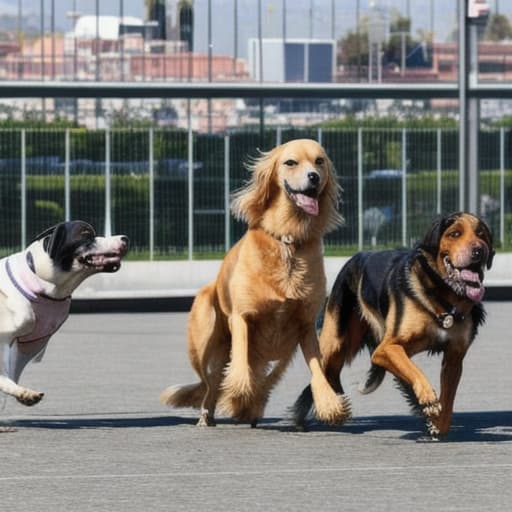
(302, 407)
(184, 396)
(374, 378)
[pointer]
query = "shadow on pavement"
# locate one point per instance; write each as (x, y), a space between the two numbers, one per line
(488, 426)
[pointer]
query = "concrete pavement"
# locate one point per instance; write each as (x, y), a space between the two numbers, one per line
(100, 440)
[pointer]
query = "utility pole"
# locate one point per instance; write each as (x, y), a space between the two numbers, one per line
(469, 109)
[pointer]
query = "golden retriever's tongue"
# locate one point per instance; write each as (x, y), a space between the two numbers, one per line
(476, 292)
(308, 204)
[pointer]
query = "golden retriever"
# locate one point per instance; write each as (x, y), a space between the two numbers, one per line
(245, 326)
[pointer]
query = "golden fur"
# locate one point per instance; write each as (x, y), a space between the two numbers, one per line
(245, 326)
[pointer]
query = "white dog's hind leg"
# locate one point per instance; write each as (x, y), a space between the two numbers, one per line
(25, 396)
(11, 366)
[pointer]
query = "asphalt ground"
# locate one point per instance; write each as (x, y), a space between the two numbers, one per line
(101, 441)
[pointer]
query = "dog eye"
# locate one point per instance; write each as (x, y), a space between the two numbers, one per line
(454, 234)
(290, 163)
(319, 161)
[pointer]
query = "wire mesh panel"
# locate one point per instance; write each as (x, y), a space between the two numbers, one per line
(341, 147)
(136, 182)
(10, 190)
(87, 176)
(209, 211)
(45, 179)
(171, 193)
(382, 188)
(129, 167)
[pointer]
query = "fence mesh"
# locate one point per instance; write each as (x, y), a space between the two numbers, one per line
(139, 182)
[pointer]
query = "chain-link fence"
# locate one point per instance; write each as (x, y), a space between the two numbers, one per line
(169, 190)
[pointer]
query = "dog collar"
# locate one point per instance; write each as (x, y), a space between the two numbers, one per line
(25, 280)
(450, 315)
(447, 319)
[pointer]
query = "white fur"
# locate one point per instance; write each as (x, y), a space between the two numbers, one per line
(17, 314)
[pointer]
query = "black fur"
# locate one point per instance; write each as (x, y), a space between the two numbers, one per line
(376, 278)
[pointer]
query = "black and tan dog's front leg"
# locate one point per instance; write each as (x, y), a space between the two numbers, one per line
(451, 371)
(392, 356)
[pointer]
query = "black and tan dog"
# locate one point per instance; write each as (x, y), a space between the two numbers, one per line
(402, 302)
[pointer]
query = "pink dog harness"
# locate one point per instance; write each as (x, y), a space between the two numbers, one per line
(49, 313)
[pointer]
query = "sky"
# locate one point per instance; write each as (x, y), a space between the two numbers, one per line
(299, 23)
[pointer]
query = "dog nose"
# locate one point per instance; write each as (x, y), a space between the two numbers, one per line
(314, 178)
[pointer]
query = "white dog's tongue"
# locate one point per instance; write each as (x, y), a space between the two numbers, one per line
(308, 204)
(475, 293)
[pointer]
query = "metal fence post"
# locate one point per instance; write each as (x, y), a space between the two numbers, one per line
(502, 186)
(404, 187)
(439, 166)
(190, 187)
(67, 178)
(360, 188)
(319, 136)
(151, 197)
(227, 225)
(23, 189)
(279, 136)
(108, 194)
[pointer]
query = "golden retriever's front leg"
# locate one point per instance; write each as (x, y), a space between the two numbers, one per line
(238, 381)
(329, 406)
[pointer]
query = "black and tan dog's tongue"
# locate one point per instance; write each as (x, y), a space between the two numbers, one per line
(475, 290)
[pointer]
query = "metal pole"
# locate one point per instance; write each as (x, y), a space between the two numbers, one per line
(190, 187)
(360, 188)
(439, 168)
(284, 22)
(404, 187)
(151, 196)
(227, 218)
(462, 78)
(319, 135)
(333, 20)
(502, 186)
(279, 135)
(52, 28)
(473, 120)
(108, 193)
(67, 178)
(235, 36)
(121, 38)
(23, 189)
(210, 55)
(260, 43)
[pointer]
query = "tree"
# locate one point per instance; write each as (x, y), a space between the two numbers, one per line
(498, 28)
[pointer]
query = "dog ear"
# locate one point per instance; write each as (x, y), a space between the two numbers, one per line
(433, 236)
(430, 242)
(332, 193)
(250, 202)
(55, 239)
(487, 235)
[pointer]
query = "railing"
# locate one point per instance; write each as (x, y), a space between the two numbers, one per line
(169, 190)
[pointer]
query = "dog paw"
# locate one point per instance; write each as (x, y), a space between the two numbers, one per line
(238, 384)
(205, 420)
(29, 397)
(432, 409)
(334, 412)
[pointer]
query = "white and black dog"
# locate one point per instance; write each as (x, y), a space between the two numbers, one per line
(35, 293)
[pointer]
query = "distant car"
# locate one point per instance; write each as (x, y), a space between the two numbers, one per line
(385, 174)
